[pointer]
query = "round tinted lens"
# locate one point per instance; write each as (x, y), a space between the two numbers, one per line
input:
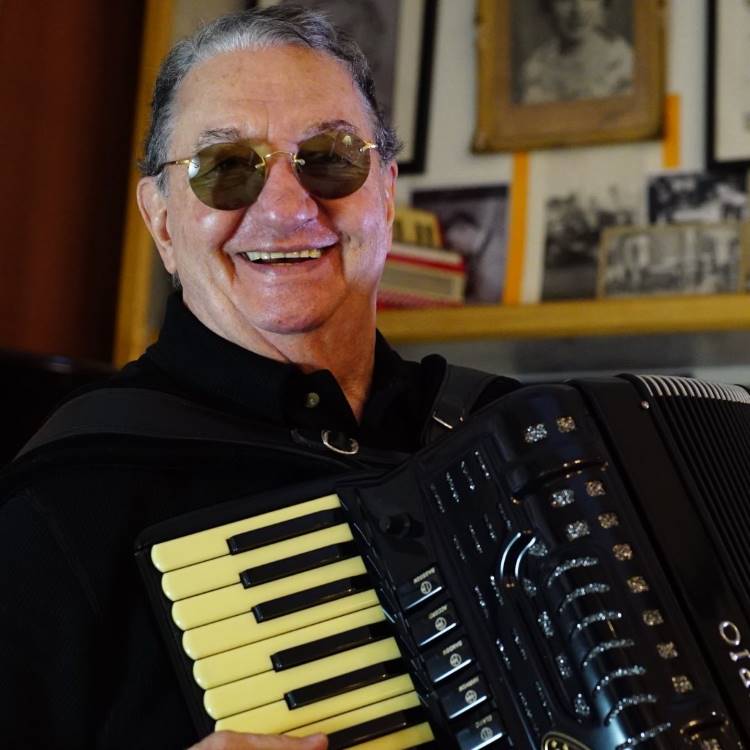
(227, 177)
(336, 164)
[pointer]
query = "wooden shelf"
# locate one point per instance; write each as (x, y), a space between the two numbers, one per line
(575, 318)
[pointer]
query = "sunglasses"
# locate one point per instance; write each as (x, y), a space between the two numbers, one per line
(228, 176)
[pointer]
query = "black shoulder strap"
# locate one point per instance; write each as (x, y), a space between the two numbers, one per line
(141, 412)
(459, 391)
(138, 412)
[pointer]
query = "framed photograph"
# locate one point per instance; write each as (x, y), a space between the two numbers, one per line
(671, 260)
(578, 194)
(397, 37)
(728, 85)
(473, 222)
(555, 73)
(703, 197)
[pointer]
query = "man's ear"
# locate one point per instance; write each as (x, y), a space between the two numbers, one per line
(153, 207)
(391, 174)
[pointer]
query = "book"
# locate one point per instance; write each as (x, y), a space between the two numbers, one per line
(416, 276)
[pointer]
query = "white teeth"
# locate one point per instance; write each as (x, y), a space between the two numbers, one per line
(296, 254)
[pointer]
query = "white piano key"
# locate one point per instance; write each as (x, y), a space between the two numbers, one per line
(205, 545)
(225, 571)
(233, 600)
(242, 629)
(277, 718)
(268, 687)
(255, 658)
(358, 716)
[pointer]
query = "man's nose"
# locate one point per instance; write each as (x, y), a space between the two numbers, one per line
(283, 203)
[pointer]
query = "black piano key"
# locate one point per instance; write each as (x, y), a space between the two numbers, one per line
(328, 592)
(278, 532)
(334, 644)
(371, 730)
(344, 683)
(316, 558)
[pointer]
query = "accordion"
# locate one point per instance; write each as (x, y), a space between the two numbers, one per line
(570, 568)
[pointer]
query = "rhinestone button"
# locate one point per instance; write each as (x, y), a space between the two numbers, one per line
(608, 520)
(560, 498)
(682, 683)
(637, 584)
(576, 530)
(312, 399)
(622, 552)
(667, 650)
(594, 488)
(566, 424)
(535, 433)
(652, 617)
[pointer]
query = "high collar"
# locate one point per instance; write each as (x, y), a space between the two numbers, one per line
(224, 374)
(194, 354)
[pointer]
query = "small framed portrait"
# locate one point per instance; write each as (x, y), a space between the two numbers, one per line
(473, 222)
(556, 72)
(671, 260)
(697, 197)
(397, 37)
(728, 86)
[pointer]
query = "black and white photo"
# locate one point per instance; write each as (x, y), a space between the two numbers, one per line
(565, 50)
(374, 25)
(669, 260)
(574, 222)
(397, 37)
(568, 72)
(473, 222)
(697, 197)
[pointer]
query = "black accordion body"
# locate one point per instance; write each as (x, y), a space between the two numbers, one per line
(568, 569)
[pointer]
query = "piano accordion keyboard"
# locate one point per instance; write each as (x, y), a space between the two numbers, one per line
(285, 632)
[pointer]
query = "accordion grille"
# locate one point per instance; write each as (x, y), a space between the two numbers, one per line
(709, 425)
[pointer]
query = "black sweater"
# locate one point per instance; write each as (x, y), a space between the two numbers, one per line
(81, 660)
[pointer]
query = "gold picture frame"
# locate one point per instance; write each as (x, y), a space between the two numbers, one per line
(513, 116)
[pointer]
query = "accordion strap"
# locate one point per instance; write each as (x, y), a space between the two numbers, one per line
(459, 391)
(140, 412)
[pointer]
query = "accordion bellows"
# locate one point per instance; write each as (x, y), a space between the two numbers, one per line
(568, 569)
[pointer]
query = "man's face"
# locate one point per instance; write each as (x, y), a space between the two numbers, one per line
(274, 98)
(574, 20)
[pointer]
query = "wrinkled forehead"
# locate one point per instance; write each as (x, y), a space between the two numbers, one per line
(275, 94)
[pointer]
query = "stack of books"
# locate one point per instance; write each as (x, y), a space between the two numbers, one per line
(418, 272)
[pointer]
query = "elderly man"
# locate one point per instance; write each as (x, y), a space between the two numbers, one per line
(269, 192)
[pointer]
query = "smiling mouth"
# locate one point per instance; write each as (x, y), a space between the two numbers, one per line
(284, 257)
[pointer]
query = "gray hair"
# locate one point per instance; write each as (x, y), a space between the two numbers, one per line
(258, 29)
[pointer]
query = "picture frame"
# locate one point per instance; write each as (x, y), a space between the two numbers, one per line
(473, 222)
(687, 196)
(528, 97)
(402, 68)
(727, 86)
(673, 260)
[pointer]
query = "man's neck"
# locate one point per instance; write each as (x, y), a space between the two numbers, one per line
(350, 359)
(344, 344)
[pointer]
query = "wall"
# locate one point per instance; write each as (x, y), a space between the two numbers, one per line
(68, 89)
(450, 163)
